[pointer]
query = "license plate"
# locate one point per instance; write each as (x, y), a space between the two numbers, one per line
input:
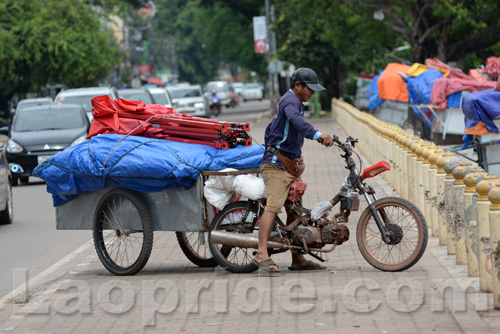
(184, 111)
(42, 158)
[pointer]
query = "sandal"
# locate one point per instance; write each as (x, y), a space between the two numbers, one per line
(308, 266)
(264, 265)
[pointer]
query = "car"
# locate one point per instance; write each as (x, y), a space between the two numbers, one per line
(252, 91)
(222, 90)
(83, 96)
(37, 133)
(136, 94)
(28, 103)
(6, 202)
(161, 96)
(237, 87)
(189, 100)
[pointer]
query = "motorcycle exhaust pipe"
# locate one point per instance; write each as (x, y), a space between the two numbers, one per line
(241, 240)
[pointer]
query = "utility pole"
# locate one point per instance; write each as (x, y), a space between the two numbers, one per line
(271, 39)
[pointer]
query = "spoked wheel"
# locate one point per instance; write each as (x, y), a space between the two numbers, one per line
(195, 246)
(407, 233)
(238, 217)
(123, 232)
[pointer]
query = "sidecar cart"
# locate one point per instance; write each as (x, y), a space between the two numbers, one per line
(125, 188)
(123, 221)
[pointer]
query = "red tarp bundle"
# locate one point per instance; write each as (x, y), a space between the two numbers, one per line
(446, 86)
(135, 118)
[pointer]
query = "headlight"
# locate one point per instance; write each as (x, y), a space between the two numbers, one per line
(13, 147)
(199, 105)
(79, 140)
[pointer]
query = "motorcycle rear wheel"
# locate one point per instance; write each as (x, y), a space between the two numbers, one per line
(237, 217)
(408, 240)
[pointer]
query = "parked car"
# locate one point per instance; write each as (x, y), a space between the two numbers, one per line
(136, 94)
(238, 87)
(28, 103)
(222, 90)
(161, 96)
(83, 97)
(6, 202)
(252, 91)
(38, 133)
(190, 100)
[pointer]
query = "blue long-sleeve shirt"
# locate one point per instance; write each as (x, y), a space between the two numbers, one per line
(287, 130)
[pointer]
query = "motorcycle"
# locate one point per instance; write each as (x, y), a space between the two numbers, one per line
(391, 232)
(215, 104)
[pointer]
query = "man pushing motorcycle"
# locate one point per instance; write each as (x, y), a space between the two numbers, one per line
(282, 162)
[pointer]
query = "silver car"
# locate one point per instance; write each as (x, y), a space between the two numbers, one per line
(189, 100)
(83, 97)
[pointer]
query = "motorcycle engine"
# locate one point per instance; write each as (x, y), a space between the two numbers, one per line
(308, 234)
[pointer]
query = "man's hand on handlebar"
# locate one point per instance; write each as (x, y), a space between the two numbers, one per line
(326, 140)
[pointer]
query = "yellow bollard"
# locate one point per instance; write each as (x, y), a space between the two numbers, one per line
(449, 204)
(409, 165)
(494, 215)
(420, 177)
(404, 166)
(483, 230)
(427, 182)
(414, 175)
(434, 225)
(440, 184)
(459, 222)
(470, 202)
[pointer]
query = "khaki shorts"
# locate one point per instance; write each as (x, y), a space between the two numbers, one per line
(277, 182)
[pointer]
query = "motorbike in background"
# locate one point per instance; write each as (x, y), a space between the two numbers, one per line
(215, 104)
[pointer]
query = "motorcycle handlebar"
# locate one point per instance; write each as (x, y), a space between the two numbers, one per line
(350, 141)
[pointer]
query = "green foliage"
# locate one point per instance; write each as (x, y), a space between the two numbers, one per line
(210, 33)
(52, 41)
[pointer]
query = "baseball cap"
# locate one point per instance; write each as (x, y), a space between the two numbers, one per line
(308, 77)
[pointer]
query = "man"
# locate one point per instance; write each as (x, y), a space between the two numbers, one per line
(285, 137)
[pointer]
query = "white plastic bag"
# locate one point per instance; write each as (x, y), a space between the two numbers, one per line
(218, 190)
(322, 209)
(249, 186)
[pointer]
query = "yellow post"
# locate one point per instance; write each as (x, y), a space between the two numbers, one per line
(420, 178)
(483, 224)
(410, 179)
(414, 175)
(459, 223)
(449, 204)
(494, 197)
(440, 183)
(470, 202)
(404, 166)
(427, 183)
(433, 190)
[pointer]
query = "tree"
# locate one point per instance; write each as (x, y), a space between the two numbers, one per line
(340, 36)
(447, 29)
(208, 33)
(51, 41)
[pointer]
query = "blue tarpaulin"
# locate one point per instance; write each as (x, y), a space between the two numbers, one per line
(483, 106)
(374, 100)
(137, 163)
(420, 88)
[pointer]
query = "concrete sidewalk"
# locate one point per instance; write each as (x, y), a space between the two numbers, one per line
(171, 295)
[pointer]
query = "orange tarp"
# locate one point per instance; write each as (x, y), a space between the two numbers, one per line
(391, 85)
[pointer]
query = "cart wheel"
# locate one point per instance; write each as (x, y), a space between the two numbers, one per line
(123, 232)
(195, 246)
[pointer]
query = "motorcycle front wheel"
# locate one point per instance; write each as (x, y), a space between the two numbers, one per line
(408, 235)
